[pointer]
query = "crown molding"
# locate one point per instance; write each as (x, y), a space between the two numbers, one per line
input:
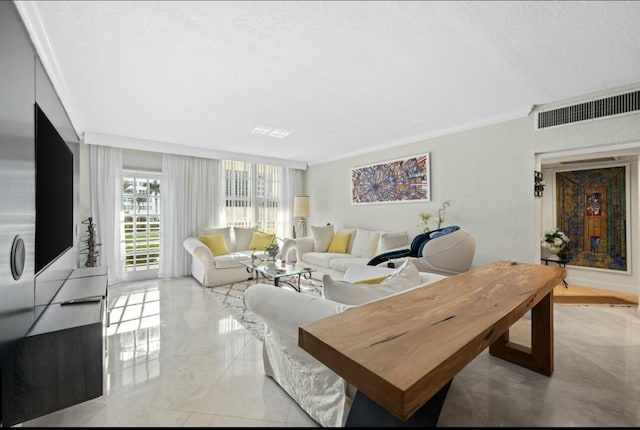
(28, 11)
(192, 151)
(520, 113)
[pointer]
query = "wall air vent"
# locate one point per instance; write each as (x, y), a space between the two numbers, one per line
(594, 109)
(592, 160)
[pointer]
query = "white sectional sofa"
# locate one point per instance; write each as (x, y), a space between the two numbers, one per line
(212, 270)
(314, 251)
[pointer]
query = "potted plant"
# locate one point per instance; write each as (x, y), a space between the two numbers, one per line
(272, 249)
(554, 240)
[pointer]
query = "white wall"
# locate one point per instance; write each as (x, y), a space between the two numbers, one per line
(141, 160)
(488, 174)
(481, 171)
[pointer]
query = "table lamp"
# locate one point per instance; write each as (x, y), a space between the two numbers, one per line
(301, 211)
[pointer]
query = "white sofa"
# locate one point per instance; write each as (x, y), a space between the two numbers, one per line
(212, 270)
(363, 245)
(325, 396)
(447, 251)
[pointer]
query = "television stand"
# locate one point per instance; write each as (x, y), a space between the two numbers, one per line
(60, 362)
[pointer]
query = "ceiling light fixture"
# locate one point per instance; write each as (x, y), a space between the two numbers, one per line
(278, 133)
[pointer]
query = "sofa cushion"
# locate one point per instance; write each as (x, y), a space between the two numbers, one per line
(225, 231)
(339, 242)
(341, 262)
(365, 243)
(321, 259)
(243, 237)
(322, 236)
(393, 240)
(231, 260)
(216, 244)
(260, 240)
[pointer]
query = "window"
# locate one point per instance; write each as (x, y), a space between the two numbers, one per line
(141, 224)
(251, 195)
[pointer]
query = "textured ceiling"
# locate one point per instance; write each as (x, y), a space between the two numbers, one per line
(343, 77)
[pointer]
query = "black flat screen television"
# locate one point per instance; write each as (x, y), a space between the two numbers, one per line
(54, 193)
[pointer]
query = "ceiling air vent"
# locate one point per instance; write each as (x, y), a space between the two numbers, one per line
(594, 109)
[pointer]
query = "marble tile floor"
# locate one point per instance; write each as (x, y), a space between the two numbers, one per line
(176, 359)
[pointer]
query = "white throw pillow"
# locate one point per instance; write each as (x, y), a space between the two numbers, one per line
(393, 240)
(322, 236)
(225, 231)
(365, 244)
(352, 232)
(243, 237)
(405, 276)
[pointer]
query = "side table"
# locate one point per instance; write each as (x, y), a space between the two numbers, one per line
(562, 262)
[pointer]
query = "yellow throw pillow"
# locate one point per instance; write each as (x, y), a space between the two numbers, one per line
(377, 280)
(260, 241)
(216, 244)
(339, 243)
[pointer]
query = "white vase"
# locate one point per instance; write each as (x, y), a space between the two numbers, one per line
(553, 252)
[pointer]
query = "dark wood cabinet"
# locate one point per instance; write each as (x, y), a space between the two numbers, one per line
(60, 362)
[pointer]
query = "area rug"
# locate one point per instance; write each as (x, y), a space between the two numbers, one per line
(231, 297)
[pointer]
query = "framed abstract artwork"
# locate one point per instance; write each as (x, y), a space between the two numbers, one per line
(592, 209)
(394, 181)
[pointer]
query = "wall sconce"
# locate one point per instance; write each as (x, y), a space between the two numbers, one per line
(538, 184)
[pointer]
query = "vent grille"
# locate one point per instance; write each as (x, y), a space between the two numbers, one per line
(594, 109)
(592, 160)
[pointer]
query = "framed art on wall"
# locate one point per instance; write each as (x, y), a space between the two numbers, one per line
(394, 181)
(592, 209)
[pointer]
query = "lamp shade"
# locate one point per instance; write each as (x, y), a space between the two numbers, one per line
(301, 207)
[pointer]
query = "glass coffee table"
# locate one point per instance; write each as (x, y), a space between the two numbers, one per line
(279, 272)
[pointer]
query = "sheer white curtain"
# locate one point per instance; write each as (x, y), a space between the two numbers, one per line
(106, 208)
(290, 186)
(192, 200)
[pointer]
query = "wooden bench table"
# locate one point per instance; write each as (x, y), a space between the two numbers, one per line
(402, 352)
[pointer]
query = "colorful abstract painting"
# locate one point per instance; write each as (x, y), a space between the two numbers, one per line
(401, 180)
(591, 208)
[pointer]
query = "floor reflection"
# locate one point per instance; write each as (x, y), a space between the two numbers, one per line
(134, 337)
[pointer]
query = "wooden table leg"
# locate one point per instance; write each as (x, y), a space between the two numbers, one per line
(539, 357)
